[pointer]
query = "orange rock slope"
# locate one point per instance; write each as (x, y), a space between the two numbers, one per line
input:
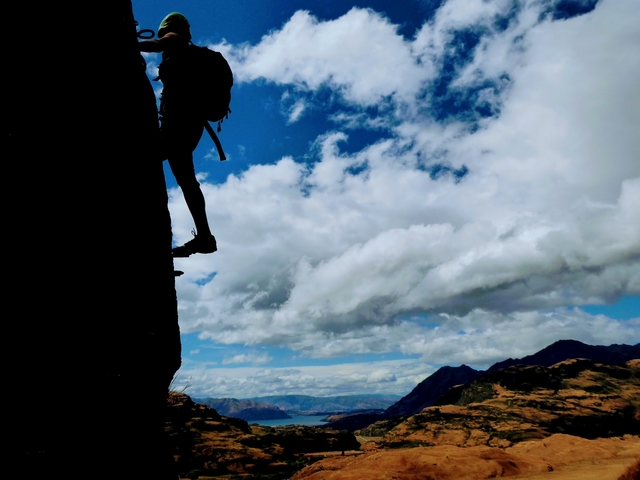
(576, 397)
(559, 457)
(520, 422)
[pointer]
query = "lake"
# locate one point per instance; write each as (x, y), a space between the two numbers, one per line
(308, 420)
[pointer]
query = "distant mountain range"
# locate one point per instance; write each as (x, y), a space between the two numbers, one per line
(565, 349)
(306, 404)
(363, 410)
(283, 406)
(245, 409)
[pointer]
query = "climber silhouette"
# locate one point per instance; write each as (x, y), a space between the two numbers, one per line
(181, 126)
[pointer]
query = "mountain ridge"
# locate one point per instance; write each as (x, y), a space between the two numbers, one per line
(273, 407)
(427, 392)
(577, 397)
(614, 354)
(361, 410)
(244, 409)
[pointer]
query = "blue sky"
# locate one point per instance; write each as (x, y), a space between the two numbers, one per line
(409, 185)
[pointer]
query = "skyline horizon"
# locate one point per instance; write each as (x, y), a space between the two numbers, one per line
(397, 395)
(409, 185)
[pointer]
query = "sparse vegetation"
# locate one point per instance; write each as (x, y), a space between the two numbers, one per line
(206, 444)
(501, 410)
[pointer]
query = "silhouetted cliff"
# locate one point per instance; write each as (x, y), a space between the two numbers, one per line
(431, 388)
(565, 349)
(92, 303)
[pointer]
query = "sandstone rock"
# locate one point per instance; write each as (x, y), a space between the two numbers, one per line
(559, 457)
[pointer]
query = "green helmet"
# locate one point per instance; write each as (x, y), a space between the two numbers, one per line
(177, 23)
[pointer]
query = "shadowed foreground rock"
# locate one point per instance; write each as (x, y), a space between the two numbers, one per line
(91, 296)
(632, 473)
(207, 444)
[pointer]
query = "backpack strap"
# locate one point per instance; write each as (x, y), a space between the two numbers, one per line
(215, 139)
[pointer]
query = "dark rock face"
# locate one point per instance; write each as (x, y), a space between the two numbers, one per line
(207, 444)
(92, 299)
(297, 439)
(565, 349)
(355, 421)
(431, 389)
(632, 473)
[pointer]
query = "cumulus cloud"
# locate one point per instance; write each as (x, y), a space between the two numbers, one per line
(488, 224)
(359, 54)
(478, 339)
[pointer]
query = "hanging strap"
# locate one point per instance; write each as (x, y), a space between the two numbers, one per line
(146, 34)
(216, 140)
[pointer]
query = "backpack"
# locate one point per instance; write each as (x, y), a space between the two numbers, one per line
(212, 80)
(202, 78)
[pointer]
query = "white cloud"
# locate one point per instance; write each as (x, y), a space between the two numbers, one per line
(389, 377)
(434, 37)
(252, 358)
(293, 107)
(351, 121)
(478, 339)
(359, 54)
(153, 61)
(329, 258)
(213, 154)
